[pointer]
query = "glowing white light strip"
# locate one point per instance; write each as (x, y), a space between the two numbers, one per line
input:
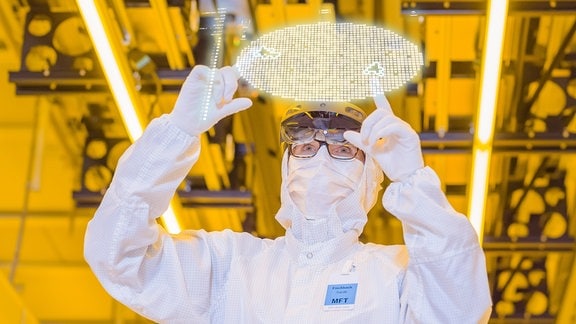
(218, 30)
(491, 65)
(170, 220)
(329, 62)
(114, 76)
(478, 190)
(491, 69)
(118, 82)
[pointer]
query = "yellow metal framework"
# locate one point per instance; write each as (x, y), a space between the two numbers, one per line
(173, 53)
(110, 52)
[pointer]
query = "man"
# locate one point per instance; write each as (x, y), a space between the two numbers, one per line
(318, 272)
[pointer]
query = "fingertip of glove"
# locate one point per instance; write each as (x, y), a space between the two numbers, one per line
(240, 104)
(236, 71)
(352, 137)
(232, 70)
(199, 69)
(245, 102)
(382, 103)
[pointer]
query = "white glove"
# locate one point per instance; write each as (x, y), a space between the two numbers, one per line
(390, 141)
(192, 113)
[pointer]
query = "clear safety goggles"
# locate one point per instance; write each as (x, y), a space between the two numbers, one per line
(306, 132)
(344, 151)
(306, 142)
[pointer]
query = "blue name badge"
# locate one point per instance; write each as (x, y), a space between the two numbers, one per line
(340, 296)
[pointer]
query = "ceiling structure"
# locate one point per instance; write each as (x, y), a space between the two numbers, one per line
(61, 135)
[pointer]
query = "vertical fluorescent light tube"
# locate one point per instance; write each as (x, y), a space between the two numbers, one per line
(118, 76)
(169, 218)
(111, 65)
(491, 65)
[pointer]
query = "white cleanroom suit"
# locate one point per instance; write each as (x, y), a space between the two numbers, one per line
(439, 276)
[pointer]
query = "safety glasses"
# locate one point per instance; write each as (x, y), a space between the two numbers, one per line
(340, 151)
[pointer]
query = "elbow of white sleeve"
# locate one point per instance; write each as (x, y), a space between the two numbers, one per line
(427, 216)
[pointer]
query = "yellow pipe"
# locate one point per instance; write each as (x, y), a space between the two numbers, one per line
(172, 51)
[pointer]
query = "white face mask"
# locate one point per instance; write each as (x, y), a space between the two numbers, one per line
(325, 198)
(316, 185)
